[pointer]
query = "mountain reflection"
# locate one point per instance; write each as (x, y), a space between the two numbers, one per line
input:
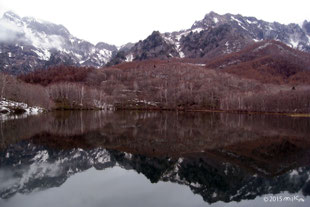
(222, 157)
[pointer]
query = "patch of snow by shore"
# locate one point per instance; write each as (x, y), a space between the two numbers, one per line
(8, 109)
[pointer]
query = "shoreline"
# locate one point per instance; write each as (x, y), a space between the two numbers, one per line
(290, 114)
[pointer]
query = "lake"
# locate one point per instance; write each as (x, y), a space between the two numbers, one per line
(138, 158)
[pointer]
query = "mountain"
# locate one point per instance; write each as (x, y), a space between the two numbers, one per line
(216, 35)
(267, 61)
(27, 44)
(154, 46)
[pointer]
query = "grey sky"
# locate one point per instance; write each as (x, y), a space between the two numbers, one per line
(121, 21)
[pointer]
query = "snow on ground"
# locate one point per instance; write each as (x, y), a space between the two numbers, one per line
(78, 56)
(43, 55)
(129, 58)
(228, 50)
(294, 43)
(250, 22)
(7, 109)
(262, 47)
(270, 27)
(197, 30)
(176, 44)
(104, 55)
(239, 22)
(185, 33)
(145, 102)
(178, 48)
(197, 64)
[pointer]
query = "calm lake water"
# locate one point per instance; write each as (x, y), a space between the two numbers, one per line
(144, 159)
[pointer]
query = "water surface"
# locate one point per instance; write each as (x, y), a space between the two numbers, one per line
(154, 159)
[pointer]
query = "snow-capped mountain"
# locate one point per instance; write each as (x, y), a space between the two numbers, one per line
(216, 35)
(27, 44)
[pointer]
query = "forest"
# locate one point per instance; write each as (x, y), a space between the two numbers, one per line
(153, 85)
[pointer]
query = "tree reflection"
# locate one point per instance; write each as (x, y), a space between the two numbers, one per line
(222, 157)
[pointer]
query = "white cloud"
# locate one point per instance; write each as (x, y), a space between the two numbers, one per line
(121, 21)
(8, 32)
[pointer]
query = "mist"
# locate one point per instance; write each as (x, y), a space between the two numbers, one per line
(9, 32)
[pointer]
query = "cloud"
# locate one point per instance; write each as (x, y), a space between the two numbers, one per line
(16, 31)
(9, 32)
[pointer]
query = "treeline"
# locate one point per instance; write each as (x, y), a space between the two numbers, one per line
(14, 89)
(62, 92)
(165, 85)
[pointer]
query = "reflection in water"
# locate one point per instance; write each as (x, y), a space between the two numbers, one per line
(221, 157)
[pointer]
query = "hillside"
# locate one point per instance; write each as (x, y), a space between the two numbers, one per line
(267, 62)
(167, 85)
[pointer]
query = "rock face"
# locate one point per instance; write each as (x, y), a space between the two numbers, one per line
(154, 46)
(217, 35)
(27, 44)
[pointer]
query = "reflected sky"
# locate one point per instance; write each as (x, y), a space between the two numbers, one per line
(118, 187)
(111, 187)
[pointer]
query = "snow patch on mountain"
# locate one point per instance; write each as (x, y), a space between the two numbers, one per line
(197, 30)
(251, 22)
(129, 58)
(175, 41)
(294, 43)
(263, 46)
(43, 54)
(239, 23)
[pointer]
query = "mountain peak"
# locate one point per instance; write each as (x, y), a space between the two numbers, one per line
(213, 19)
(103, 45)
(10, 15)
(45, 44)
(212, 14)
(306, 26)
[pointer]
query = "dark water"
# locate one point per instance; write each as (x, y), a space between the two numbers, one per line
(154, 159)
